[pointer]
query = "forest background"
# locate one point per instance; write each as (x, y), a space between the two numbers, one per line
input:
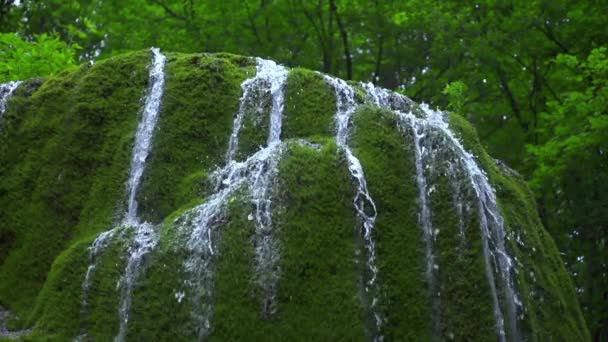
(531, 75)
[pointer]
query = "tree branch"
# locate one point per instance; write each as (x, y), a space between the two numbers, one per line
(344, 34)
(504, 85)
(169, 11)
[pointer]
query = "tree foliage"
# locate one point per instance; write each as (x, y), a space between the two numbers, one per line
(571, 179)
(20, 59)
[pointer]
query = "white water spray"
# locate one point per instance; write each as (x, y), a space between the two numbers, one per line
(387, 99)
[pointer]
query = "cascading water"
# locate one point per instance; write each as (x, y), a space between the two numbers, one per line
(420, 149)
(257, 174)
(492, 231)
(145, 133)
(366, 280)
(491, 222)
(363, 202)
(6, 91)
(145, 236)
(386, 99)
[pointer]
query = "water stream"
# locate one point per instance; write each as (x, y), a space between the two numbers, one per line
(363, 202)
(6, 91)
(256, 174)
(498, 264)
(144, 235)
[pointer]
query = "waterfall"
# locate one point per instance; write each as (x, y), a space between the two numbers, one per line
(491, 222)
(145, 235)
(6, 91)
(386, 99)
(145, 132)
(420, 136)
(254, 178)
(363, 202)
(256, 174)
(492, 232)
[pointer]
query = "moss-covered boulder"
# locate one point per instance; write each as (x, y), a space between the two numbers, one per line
(274, 204)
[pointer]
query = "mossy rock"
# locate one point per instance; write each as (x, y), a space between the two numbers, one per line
(65, 146)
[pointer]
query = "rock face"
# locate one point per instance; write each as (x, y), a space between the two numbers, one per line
(219, 197)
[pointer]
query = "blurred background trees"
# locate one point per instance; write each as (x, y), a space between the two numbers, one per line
(532, 76)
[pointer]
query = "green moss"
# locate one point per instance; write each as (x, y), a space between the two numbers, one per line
(237, 310)
(255, 125)
(103, 296)
(65, 147)
(463, 298)
(309, 105)
(317, 289)
(242, 61)
(64, 159)
(201, 98)
(156, 311)
(387, 160)
(56, 314)
(60, 313)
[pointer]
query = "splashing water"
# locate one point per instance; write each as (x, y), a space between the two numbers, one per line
(6, 91)
(257, 174)
(146, 238)
(363, 202)
(387, 99)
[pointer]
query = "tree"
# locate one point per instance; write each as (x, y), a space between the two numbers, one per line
(21, 59)
(571, 179)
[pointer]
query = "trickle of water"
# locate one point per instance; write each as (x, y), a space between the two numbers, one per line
(458, 197)
(492, 230)
(6, 91)
(95, 250)
(363, 202)
(491, 222)
(409, 125)
(257, 174)
(146, 237)
(145, 132)
(410, 122)
(269, 77)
